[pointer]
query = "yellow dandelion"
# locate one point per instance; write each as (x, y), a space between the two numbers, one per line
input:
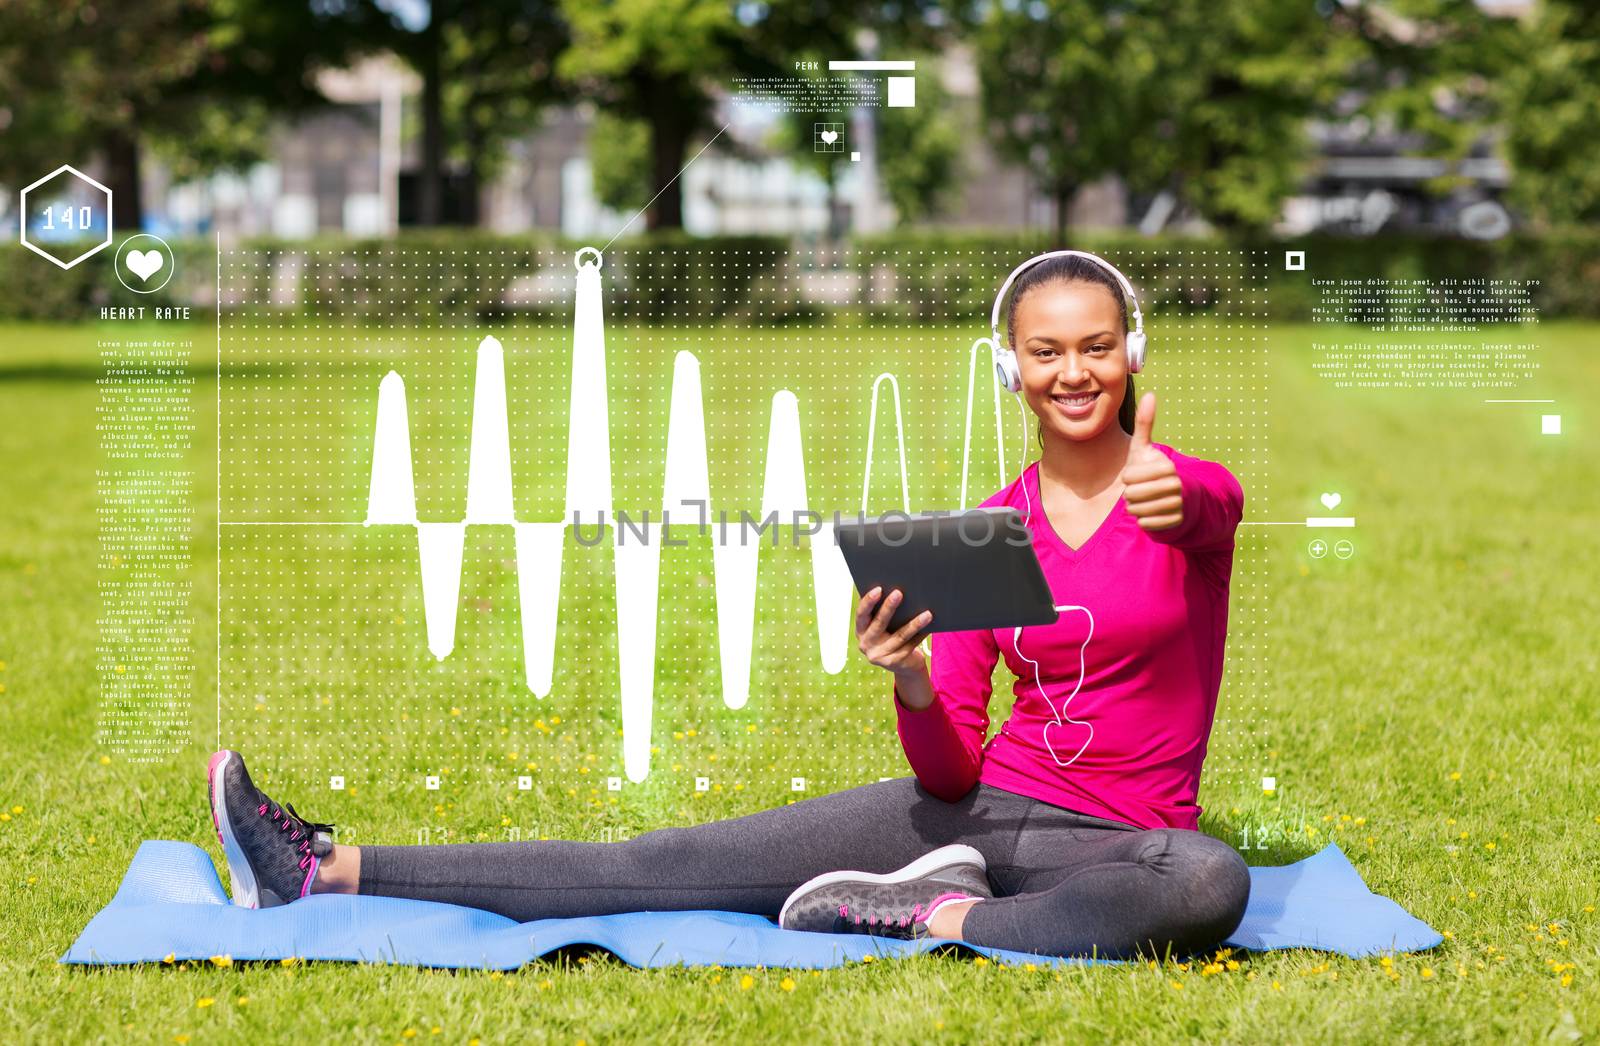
(746, 983)
(243, 1000)
(980, 961)
(1455, 775)
(204, 1001)
(1276, 986)
(867, 958)
(409, 1033)
(171, 958)
(1427, 973)
(222, 960)
(180, 1039)
(1233, 964)
(1566, 980)
(105, 760)
(1176, 984)
(787, 984)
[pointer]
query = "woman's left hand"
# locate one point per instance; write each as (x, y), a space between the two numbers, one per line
(1152, 489)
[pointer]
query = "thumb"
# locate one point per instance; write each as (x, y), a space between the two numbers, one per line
(1144, 419)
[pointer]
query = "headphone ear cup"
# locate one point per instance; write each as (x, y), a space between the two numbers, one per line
(1136, 350)
(1007, 371)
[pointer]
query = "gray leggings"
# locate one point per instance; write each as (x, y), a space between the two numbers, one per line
(1065, 883)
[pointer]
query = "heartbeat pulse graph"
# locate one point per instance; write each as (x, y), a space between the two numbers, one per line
(539, 544)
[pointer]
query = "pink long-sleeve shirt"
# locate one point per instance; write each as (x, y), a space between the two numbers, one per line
(1129, 677)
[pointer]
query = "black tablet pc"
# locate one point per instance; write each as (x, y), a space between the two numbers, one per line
(973, 569)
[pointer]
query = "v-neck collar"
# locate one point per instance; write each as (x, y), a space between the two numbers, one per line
(1031, 480)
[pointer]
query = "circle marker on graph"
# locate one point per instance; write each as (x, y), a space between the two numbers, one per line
(577, 259)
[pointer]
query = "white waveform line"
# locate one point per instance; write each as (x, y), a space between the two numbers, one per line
(392, 500)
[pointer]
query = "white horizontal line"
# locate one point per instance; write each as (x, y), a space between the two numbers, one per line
(1330, 521)
(842, 65)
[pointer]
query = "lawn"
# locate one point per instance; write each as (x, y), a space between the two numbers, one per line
(1429, 704)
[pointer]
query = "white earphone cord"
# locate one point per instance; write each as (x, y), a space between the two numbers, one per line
(1058, 717)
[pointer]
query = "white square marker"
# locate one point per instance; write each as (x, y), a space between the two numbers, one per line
(1294, 261)
(702, 784)
(432, 782)
(613, 784)
(336, 782)
(855, 157)
(902, 92)
(797, 784)
(525, 783)
(1269, 784)
(1550, 424)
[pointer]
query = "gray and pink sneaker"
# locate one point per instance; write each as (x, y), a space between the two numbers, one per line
(272, 852)
(896, 904)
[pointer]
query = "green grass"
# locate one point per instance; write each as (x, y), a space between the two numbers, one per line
(1458, 641)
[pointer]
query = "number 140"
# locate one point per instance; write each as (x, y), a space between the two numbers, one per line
(84, 216)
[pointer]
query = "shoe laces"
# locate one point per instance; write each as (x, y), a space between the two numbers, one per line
(311, 839)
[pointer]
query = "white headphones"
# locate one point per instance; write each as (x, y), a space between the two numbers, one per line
(1006, 370)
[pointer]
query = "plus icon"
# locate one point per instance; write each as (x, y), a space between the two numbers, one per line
(1318, 549)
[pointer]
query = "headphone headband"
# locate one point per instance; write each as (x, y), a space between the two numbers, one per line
(1127, 287)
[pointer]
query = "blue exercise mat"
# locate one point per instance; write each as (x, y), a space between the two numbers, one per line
(172, 903)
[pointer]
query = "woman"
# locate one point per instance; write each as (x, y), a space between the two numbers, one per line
(1072, 831)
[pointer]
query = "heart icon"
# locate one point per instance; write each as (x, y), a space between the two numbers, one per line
(144, 264)
(1331, 501)
(830, 136)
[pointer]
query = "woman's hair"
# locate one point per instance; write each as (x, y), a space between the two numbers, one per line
(1073, 269)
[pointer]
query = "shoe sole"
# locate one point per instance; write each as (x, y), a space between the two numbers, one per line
(246, 893)
(927, 864)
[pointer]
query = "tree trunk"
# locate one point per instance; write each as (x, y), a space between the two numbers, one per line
(122, 178)
(430, 190)
(1063, 201)
(669, 138)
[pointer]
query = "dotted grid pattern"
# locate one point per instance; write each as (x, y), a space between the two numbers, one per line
(325, 668)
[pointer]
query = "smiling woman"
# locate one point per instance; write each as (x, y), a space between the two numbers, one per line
(1099, 322)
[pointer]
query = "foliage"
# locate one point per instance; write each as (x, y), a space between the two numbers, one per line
(1207, 100)
(1555, 83)
(920, 148)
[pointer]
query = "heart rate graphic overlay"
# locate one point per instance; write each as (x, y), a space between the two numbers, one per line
(686, 497)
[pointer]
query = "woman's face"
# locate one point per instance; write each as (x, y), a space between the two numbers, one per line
(1069, 343)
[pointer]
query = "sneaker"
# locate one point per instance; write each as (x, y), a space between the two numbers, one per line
(897, 904)
(272, 852)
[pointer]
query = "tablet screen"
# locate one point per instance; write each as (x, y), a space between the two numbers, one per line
(973, 569)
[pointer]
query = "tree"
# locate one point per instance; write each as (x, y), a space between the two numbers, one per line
(659, 60)
(920, 149)
(1206, 99)
(1429, 69)
(193, 78)
(487, 68)
(1551, 95)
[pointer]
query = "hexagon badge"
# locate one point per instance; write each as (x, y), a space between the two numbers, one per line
(68, 218)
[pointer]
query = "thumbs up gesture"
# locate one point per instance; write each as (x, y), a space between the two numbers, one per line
(1152, 489)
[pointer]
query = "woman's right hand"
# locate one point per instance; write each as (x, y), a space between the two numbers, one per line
(896, 651)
